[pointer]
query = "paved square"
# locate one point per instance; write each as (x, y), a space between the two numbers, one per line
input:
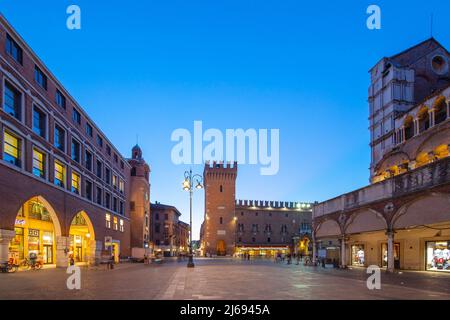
(222, 279)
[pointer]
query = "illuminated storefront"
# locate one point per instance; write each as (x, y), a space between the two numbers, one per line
(264, 252)
(80, 238)
(34, 233)
(438, 256)
(358, 255)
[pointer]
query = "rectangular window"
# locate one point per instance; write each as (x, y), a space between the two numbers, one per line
(89, 130)
(107, 200)
(60, 99)
(115, 204)
(75, 151)
(39, 122)
(88, 190)
(60, 138)
(116, 158)
(122, 229)
(121, 207)
(157, 228)
(40, 77)
(107, 176)
(11, 149)
(108, 150)
(75, 183)
(38, 163)
(13, 49)
(99, 168)
(99, 141)
(88, 160)
(114, 179)
(99, 196)
(108, 221)
(13, 101)
(60, 174)
(116, 223)
(121, 186)
(76, 116)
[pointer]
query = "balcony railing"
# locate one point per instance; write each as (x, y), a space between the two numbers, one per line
(426, 177)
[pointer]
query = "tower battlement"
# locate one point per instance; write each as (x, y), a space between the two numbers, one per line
(260, 204)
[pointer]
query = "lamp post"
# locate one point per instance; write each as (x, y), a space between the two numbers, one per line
(188, 185)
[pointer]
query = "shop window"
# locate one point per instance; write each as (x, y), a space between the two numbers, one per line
(358, 255)
(37, 211)
(38, 163)
(11, 147)
(438, 256)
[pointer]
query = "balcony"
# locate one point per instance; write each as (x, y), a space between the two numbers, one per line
(423, 178)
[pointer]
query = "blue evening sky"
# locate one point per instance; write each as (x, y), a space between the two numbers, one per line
(149, 67)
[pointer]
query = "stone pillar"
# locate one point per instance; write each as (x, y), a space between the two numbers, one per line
(416, 127)
(62, 251)
(5, 239)
(95, 252)
(314, 251)
(390, 243)
(431, 112)
(343, 255)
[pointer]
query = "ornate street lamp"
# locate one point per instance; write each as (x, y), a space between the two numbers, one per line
(188, 185)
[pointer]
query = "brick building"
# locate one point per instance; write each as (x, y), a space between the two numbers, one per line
(169, 234)
(139, 203)
(402, 219)
(64, 187)
(259, 228)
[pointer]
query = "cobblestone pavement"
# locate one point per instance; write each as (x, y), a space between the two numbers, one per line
(222, 279)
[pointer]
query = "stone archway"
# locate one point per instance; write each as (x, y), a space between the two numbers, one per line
(328, 228)
(36, 230)
(83, 245)
(364, 221)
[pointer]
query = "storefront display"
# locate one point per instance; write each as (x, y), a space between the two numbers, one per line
(438, 256)
(358, 255)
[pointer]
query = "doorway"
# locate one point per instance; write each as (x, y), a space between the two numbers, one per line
(48, 254)
(384, 255)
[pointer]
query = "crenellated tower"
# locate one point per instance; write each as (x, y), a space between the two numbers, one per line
(219, 228)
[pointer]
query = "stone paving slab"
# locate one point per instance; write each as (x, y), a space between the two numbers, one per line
(216, 279)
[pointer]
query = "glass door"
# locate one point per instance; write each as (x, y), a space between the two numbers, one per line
(48, 254)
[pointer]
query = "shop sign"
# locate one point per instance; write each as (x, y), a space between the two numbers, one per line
(108, 241)
(33, 233)
(20, 222)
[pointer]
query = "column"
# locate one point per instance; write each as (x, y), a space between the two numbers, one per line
(62, 251)
(314, 251)
(416, 127)
(343, 255)
(431, 112)
(5, 238)
(390, 266)
(95, 252)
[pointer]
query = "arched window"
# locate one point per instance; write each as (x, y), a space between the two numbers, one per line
(133, 172)
(409, 128)
(440, 110)
(221, 188)
(424, 119)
